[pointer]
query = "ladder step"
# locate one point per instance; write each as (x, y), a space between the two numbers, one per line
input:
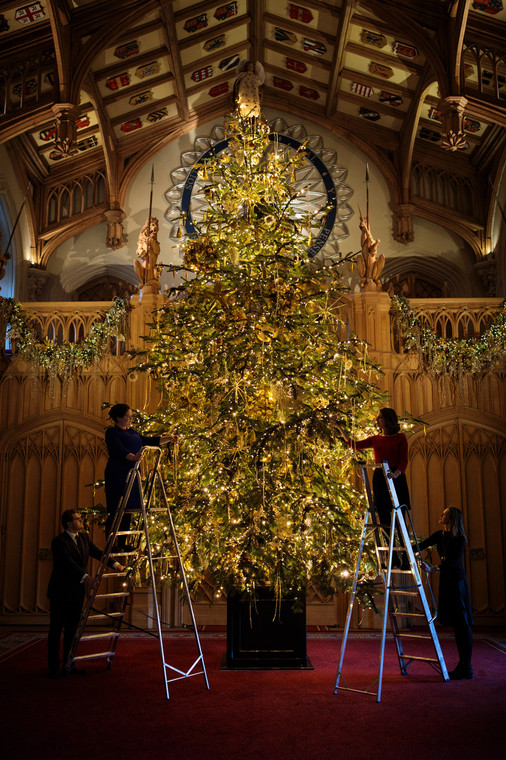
(97, 636)
(414, 657)
(118, 574)
(104, 616)
(422, 636)
(401, 592)
(410, 614)
(113, 595)
(126, 552)
(94, 656)
(130, 533)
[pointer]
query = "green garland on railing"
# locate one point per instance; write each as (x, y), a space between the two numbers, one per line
(61, 361)
(451, 356)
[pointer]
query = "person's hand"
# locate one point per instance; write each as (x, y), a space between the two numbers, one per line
(134, 457)
(425, 566)
(119, 567)
(395, 474)
(166, 438)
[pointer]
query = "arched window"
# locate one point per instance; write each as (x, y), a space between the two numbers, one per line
(7, 265)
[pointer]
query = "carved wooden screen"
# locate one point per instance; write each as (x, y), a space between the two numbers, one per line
(45, 470)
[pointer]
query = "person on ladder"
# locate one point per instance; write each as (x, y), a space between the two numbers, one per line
(454, 604)
(124, 446)
(390, 445)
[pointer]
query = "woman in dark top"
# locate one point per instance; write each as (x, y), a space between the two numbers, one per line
(454, 607)
(124, 446)
(391, 445)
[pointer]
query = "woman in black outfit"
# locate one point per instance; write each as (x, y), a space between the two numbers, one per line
(124, 446)
(454, 607)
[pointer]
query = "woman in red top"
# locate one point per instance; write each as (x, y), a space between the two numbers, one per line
(391, 445)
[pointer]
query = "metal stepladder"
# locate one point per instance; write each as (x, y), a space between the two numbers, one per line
(386, 548)
(119, 598)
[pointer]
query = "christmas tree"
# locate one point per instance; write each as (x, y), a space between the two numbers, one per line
(253, 362)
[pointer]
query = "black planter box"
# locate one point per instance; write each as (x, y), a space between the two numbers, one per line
(264, 635)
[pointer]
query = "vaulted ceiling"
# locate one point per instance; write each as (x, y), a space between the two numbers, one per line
(98, 86)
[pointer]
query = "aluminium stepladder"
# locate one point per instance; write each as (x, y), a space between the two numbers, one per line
(385, 548)
(119, 598)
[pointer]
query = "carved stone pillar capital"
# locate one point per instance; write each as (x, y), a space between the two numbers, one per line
(403, 223)
(452, 110)
(114, 218)
(66, 115)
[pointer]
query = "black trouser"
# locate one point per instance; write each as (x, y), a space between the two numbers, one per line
(463, 640)
(64, 616)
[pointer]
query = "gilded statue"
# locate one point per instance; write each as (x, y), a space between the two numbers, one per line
(248, 88)
(148, 250)
(369, 264)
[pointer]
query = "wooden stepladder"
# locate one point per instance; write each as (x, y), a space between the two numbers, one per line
(134, 542)
(391, 542)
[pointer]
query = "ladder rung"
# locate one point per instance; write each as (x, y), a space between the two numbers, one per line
(119, 553)
(411, 614)
(93, 656)
(401, 592)
(129, 532)
(102, 615)
(118, 574)
(96, 636)
(113, 595)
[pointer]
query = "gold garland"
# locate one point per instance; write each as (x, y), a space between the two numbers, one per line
(451, 356)
(60, 361)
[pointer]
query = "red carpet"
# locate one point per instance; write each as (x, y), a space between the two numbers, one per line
(122, 714)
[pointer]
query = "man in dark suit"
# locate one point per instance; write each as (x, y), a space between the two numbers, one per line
(69, 579)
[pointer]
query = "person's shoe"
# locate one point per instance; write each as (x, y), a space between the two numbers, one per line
(74, 671)
(461, 674)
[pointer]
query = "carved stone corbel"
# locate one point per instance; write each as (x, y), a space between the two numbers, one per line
(452, 111)
(66, 115)
(487, 271)
(403, 220)
(114, 218)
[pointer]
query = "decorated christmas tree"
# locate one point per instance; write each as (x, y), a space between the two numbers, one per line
(253, 362)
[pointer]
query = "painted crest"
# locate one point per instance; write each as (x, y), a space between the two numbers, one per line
(142, 97)
(297, 66)
(196, 23)
(385, 72)
(361, 89)
(30, 13)
(55, 155)
(299, 13)
(366, 113)
(468, 70)
(201, 74)
(87, 143)
(313, 46)
(29, 88)
(157, 115)
(488, 6)
(215, 43)
(229, 63)
(148, 70)
(471, 125)
(282, 84)
(373, 39)
(116, 83)
(48, 134)
(307, 92)
(390, 98)
(435, 114)
(4, 24)
(129, 126)
(219, 89)
(405, 50)
(226, 11)
(281, 35)
(125, 51)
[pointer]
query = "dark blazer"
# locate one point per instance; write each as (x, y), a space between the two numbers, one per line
(70, 564)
